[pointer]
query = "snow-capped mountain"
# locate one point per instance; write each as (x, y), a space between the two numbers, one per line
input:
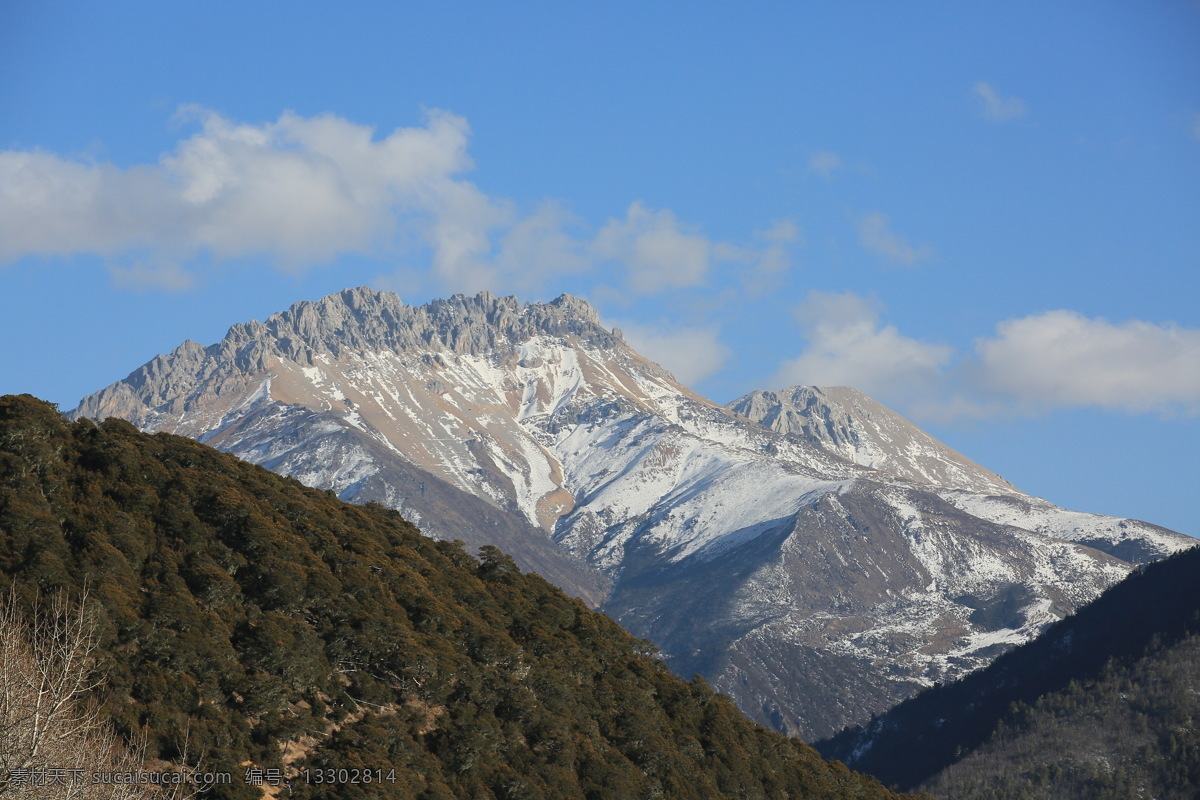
(810, 552)
(846, 422)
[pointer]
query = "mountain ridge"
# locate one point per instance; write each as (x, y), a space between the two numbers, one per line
(360, 318)
(846, 421)
(672, 507)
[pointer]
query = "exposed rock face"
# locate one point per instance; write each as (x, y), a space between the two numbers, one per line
(813, 554)
(847, 422)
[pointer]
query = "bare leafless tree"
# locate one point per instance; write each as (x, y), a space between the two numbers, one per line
(53, 744)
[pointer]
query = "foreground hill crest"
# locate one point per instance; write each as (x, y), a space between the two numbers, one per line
(265, 624)
(809, 551)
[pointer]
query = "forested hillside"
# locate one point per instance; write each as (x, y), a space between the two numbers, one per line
(1130, 733)
(1103, 701)
(260, 623)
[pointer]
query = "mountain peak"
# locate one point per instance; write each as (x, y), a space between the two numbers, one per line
(852, 425)
(577, 306)
(367, 319)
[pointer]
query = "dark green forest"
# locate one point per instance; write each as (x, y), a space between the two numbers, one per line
(1102, 705)
(1130, 733)
(239, 612)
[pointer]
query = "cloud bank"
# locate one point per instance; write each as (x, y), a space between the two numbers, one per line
(847, 346)
(691, 354)
(1061, 359)
(1027, 365)
(300, 191)
(657, 251)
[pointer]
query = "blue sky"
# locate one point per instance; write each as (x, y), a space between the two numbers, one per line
(985, 215)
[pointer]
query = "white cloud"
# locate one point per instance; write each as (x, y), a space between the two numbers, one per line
(162, 276)
(1064, 359)
(300, 190)
(763, 266)
(303, 190)
(540, 247)
(49, 206)
(774, 257)
(691, 354)
(1029, 365)
(657, 250)
(994, 107)
(875, 234)
(825, 163)
(848, 346)
(459, 230)
(781, 230)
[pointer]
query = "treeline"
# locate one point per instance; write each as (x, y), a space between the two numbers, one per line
(244, 619)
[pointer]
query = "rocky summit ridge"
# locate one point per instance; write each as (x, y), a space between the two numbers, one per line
(352, 320)
(810, 552)
(845, 421)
